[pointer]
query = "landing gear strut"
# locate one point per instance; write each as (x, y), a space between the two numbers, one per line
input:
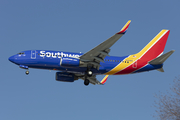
(89, 73)
(27, 72)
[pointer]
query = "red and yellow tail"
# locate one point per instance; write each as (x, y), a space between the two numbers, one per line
(155, 47)
(151, 51)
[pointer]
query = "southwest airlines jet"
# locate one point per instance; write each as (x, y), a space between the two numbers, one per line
(73, 66)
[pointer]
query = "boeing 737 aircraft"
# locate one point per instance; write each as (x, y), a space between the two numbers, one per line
(73, 66)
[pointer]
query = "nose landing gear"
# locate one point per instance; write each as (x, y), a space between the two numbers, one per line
(24, 67)
(27, 72)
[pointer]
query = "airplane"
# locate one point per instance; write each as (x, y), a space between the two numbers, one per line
(72, 66)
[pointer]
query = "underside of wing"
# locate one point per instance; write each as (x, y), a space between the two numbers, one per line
(91, 79)
(94, 81)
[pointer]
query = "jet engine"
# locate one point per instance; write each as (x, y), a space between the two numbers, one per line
(65, 77)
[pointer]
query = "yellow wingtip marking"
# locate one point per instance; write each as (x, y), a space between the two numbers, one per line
(126, 25)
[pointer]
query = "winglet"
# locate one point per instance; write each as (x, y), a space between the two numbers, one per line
(104, 79)
(124, 29)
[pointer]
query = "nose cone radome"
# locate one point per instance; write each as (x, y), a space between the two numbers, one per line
(12, 59)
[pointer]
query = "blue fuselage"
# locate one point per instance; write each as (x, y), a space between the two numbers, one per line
(45, 59)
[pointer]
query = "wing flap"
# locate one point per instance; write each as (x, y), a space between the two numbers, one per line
(91, 79)
(94, 81)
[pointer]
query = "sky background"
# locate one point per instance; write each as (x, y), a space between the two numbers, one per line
(78, 26)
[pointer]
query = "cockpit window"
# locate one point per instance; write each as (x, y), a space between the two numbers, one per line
(21, 53)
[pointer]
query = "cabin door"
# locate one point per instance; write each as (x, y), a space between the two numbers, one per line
(33, 54)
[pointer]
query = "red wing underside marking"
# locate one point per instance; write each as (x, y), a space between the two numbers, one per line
(124, 29)
(104, 79)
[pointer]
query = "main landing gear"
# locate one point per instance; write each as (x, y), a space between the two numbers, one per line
(88, 73)
(86, 82)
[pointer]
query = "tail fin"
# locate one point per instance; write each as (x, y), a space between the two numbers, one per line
(155, 47)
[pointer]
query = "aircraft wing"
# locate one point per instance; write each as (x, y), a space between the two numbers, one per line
(97, 54)
(91, 79)
(94, 81)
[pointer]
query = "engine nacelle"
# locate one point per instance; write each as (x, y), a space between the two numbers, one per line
(65, 77)
(69, 62)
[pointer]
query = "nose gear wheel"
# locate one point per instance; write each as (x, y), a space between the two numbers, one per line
(27, 72)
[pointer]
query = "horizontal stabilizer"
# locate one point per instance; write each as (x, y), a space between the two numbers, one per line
(161, 59)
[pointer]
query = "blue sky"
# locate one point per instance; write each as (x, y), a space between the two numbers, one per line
(78, 26)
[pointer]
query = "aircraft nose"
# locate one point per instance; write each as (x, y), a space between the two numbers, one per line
(11, 58)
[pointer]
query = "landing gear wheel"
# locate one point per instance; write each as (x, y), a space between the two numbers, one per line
(89, 73)
(86, 82)
(27, 72)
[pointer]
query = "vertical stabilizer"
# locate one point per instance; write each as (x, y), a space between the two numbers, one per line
(155, 47)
